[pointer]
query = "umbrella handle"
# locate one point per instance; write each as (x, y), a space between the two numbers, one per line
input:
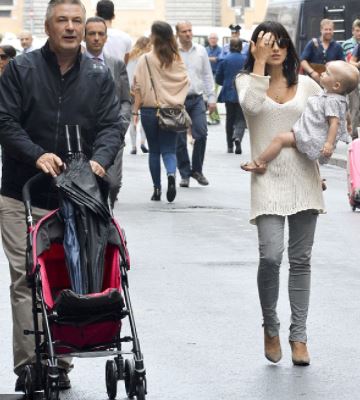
(27, 197)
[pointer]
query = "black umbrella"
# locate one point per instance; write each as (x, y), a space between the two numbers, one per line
(86, 221)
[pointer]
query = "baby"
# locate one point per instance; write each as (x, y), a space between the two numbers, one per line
(322, 123)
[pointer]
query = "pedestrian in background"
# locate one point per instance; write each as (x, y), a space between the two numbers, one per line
(229, 67)
(142, 46)
(7, 53)
(95, 38)
(201, 83)
(349, 44)
(33, 140)
(214, 52)
(160, 80)
(273, 96)
(319, 51)
(354, 97)
(118, 44)
(26, 41)
(235, 34)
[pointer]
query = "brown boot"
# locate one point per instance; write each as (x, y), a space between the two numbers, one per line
(300, 355)
(272, 348)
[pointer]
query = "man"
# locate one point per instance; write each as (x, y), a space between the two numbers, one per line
(118, 44)
(214, 52)
(349, 45)
(26, 41)
(201, 82)
(319, 51)
(235, 34)
(95, 39)
(41, 92)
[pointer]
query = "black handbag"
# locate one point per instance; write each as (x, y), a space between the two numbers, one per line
(170, 118)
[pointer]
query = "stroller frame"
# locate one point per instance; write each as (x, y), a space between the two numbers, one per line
(41, 381)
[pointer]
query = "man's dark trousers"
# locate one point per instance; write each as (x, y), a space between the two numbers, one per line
(195, 107)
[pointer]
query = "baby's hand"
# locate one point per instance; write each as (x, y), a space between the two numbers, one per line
(328, 149)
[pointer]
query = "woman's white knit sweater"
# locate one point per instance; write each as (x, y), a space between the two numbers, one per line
(292, 182)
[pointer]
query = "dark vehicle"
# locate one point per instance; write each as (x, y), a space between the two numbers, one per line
(302, 17)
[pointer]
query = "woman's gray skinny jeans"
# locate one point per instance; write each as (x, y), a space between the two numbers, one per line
(271, 247)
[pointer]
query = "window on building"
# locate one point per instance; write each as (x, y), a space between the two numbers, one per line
(241, 3)
(5, 13)
(6, 3)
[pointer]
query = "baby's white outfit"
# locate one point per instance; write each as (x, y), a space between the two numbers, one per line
(311, 129)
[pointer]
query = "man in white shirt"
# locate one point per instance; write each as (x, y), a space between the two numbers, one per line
(118, 44)
(95, 39)
(198, 65)
(26, 40)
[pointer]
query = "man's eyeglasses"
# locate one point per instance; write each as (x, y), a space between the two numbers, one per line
(283, 43)
(4, 57)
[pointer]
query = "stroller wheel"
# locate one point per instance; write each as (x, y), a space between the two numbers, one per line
(29, 382)
(129, 377)
(111, 379)
(52, 384)
(141, 390)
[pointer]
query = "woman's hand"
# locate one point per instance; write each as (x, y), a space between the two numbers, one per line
(262, 49)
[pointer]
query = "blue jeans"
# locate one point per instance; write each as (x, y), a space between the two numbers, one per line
(160, 142)
(195, 106)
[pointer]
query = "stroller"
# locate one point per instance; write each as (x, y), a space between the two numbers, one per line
(78, 325)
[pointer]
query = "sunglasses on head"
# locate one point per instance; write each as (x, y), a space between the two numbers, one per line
(4, 57)
(283, 43)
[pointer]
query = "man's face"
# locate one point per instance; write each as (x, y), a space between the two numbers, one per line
(95, 37)
(356, 33)
(213, 40)
(65, 28)
(25, 40)
(327, 32)
(185, 34)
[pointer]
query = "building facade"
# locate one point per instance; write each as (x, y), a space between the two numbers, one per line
(136, 16)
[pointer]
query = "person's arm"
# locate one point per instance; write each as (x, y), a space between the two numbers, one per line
(305, 58)
(354, 61)
(309, 70)
(124, 97)
(219, 77)
(208, 80)
(108, 125)
(12, 136)
(328, 148)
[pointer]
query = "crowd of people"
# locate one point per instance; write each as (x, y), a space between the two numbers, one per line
(106, 86)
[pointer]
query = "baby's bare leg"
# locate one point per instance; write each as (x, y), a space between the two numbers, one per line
(280, 141)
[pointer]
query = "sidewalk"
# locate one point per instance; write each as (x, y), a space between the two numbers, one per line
(339, 158)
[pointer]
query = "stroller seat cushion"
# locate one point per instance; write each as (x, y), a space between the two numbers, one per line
(107, 304)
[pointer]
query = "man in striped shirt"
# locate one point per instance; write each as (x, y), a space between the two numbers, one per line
(349, 45)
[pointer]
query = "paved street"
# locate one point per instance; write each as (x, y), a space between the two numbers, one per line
(193, 288)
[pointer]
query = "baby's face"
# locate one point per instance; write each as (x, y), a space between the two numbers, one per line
(329, 79)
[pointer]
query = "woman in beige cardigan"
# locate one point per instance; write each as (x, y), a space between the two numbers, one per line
(273, 96)
(171, 85)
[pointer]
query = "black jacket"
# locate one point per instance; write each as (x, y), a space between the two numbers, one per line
(36, 102)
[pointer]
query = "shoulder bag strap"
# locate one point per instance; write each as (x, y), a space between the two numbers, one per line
(152, 82)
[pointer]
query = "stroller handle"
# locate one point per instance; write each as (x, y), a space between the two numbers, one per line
(26, 196)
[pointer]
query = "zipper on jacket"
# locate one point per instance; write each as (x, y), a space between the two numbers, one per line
(58, 115)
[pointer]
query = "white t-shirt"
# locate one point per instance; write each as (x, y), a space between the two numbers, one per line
(118, 44)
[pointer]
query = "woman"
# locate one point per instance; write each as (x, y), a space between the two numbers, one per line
(170, 85)
(272, 96)
(225, 75)
(7, 53)
(142, 45)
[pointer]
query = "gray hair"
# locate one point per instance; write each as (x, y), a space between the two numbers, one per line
(53, 3)
(213, 35)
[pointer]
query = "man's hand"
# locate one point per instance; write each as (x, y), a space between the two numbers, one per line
(211, 107)
(97, 169)
(328, 149)
(50, 163)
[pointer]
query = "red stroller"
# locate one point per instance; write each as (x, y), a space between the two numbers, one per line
(78, 325)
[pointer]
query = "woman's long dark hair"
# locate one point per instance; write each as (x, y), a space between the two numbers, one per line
(291, 64)
(164, 42)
